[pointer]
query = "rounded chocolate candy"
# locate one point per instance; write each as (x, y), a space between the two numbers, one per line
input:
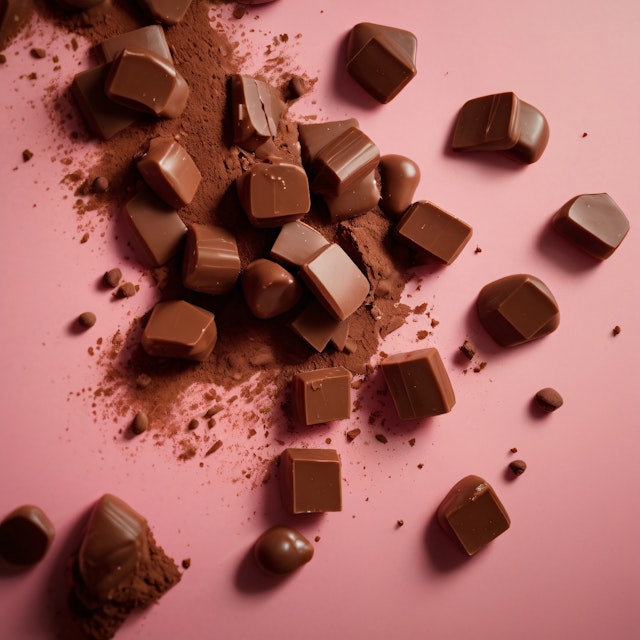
(281, 550)
(25, 535)
(269, 289)
(399, 178)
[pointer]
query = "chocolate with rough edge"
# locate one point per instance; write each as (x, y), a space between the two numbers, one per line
(14, 15)
(360, 199)
(322, 395)
(316, 326)
(269, 289)
(281, 550)
(26, 535)
(151, 38)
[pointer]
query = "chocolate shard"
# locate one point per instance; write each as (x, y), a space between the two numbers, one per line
(26, 535)
(269, 289)
(472, 514)
(594, 223)
(14, 15)
(296, 243)
(322, 395)
(150, 38)
(316, 326)
(517, 309)
(166, 11)
(381, 59)
(399, 179)
(313, 137)
(282, 550)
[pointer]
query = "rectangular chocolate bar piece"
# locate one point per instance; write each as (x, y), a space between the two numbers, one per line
(322, 395)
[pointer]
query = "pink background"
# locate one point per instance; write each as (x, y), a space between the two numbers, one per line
(568, 567)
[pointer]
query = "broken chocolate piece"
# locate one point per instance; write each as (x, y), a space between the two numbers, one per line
(518, 467)
(358, 200)
(316, 326)
(166, 11)
(25, 535)
(313, 137)
(282, 550)
(548, 399)
(322, 395)
(269, 289)
(296, 243)
(87, 319)
(468, 349)
(14, 15)
(150, 38)
(399, 178)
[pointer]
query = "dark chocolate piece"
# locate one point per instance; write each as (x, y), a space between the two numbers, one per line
(418, 383)
(316, 326)
(548, 399)
(310, 480)
(381, 59)
(14, 15)
(432, 231)
(472, 514)
(150, 38)
(322, 395)
(296, 243)
(211, 262)
(269, 289)
(166, 11)
(399, 179)
(358, 200)
(340, 337)
(593, 222)
(170, 172)
(313, 137)
(518, 467)
(26, 535)
(178, 329)
(517, 309)
(282, 550)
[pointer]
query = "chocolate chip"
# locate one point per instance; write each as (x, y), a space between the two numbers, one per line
(616, 330)
(87, 319)
(100, 185)
(548, 399)
(27, 155)
(468, 349)
(193, 424)
(186, 563)
(514, 449)
(85, 238)
(140, 423)
(352, 434)
(380, 437)
(112, 278)
(518, 467)
(214, 447)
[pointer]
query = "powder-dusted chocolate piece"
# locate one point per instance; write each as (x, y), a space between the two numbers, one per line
(112, 277)
(399, 179)
(322, 395)
(170, 172)
(142, 80)
(14, 14)
(273, 193)
(517, 309)
(518, 467)
(25, 535)
(140, 423)
(336, 281)
(344, 162)
(381, 59)
(358, 200)
(352, 434)
(178, 329)
(150, 38)
(593, 222)
(104, 117)
(157, 227)
(310, 480)
(87, 319)
(548, 399)
(126, 290)
(256, 110)
(430, 230)
(269, 289)
(418, 383)
(281, 550)
(313, 137)
(316, 326)
(472, 514)
(166, 11)
(296, 243)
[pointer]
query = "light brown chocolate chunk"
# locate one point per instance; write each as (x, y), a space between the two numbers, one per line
(357, 201)
(269, 289)
(322, 395)
(140, 423)
(151, 38)
(112, 278)
(548, 399)
(518, 467)
(87, 319)
(315, 136)
(315, 325)
(296, 243)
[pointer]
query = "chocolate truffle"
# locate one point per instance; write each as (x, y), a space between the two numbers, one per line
(281, 550)
(25, 535)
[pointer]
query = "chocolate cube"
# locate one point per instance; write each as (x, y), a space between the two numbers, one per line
(296, 243)
(322, 395)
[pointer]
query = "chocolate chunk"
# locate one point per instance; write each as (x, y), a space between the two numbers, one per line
(593, 222)
(358, 200)
(340, 337)
(166, 11)
(517, 309)
(211, 262)
(25, 535)
(87, 319)
(322, 395)
(157, 228)
(313, 137)
(170, 172)
(177, 329)
(468, 349)
(150, 38)
(269, 289)
(310, 480)
(432, 231)
(140, 423)
(548, 399)
(518, 467)
(296, 243)
(14, 15)
(418, 383)
(27, 155)
(296, 87)
(502, 122)
(381, 59)
(399, 179)
(336, 281)
(282, 550)
(126, 290)
(472, 514)
(100, 185)
(315, 325)
(616, 330)
(273, 193)
(144, 81)
(352, 434)
(112, 278)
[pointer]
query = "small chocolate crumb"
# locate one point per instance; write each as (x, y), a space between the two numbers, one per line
(87, 319)
(126, 290)
(420, 465)
(400, 523)
(479, 367)
(213, 410)
(186, 563)
(74, 44)
(193, 424)
(327, 441)
(616, 330)
(112, 278)
(296, 87)
(317, 539)
(143, 381)
(85, 238)
(100, 185)
(380, 437)
(434, 322)
(38, 53)
(239, 12)
(548, 399)
(468, 349)
(27, 155)
(214, 447)
(518, 467)
(140, 423)
(33, 76)
(412, 442)
(514, 449)
(477, 250)
(352, 434)
(585, 134)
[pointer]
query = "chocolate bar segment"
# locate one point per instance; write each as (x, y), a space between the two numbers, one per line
(593, 222)
(296, 243)
(281, 550)
(313, 137)
(472, 514)
(166, 11)
(316, 326)
(517, 309)
(399, 179)
(14, 14)
(269, 289)
(310, 480)
(150, 38)
(26, 535)
(322, 395)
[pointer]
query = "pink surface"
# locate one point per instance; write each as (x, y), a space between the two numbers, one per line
(568, 567)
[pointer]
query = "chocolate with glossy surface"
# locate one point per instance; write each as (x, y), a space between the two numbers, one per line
(281, 550)
(26, 535)
(166, 11)
(314, 136)
(150, 38)
(269, 289)
(322, 395)
(399, 179)
(297, 243)
(14, 14)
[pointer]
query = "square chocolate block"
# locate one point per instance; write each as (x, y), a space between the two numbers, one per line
(310, 480)
(322, 395)
(418, 383)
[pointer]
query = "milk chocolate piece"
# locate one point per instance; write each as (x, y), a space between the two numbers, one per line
(428, 229)
(472, 514)
(322, 395)
(517, 309)
(177, 329)
(336, 281)
(211, 262)
(296, 243)
(104, 117)
(269, 289)
(593, 222)
(282, 550)
(79, 5)
(340, 337)
(144, 81)
(344, 162)
(166, 11)
(316, 326)
(418, 383)
(313, 137)
(170, 172)
(310, 480)
(518, 467)
(150, 38)
(273, 193)
(14, 14)
(157, 227)
(548, 399)
(358, 200)
(256, 110)
(25, 535)
(399, 178)
(381, 59)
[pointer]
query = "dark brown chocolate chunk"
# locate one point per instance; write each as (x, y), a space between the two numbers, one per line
(281, 550)
(594, 223)
(296, 87)
(381, 59)
(38, 53)
(310, 480)
(468, 349)
(616, 330)
(140, 423)
(269, 289)
(517, 309)
(126, 290)
(418, 383)
(352, 434)
(166, 11)
(380, 437)
(26, 535)
(518, 467)
(313, 137)
(296, 243)
(150, 38)
(399, 179)
(315, 325)
(112, 278)
(322, 395)
(87, 319)
(27, 155)
(548, 399)
(14, 15)
(100, 185)
(358, 200)
(213, 448)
